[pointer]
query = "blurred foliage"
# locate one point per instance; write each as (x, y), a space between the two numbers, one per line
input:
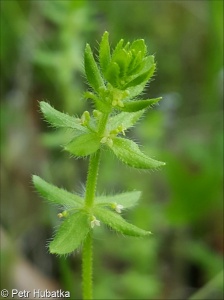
(42, 45)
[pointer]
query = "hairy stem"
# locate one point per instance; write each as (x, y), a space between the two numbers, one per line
(103, 123)
(92, 178)
(87, 282)
(87, 269)
(89, 200)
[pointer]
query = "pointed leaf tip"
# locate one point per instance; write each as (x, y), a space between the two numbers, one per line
(104, 52)
(115, 221)
(56, 195)
(129, 153)
(133, 106)
(59, 119)
(91, 69)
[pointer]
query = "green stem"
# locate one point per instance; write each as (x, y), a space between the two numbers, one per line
(87, 269)
(94, 167)
(87, 246)
(92, 178)
(103, 123)
(89, 200)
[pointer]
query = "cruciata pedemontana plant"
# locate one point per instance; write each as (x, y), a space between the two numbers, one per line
(116, 81)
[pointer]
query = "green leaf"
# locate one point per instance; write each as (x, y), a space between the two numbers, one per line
(102, 106)
(118, 47)
(136, 105)
(127, 46)
(104, 53)
(116, 222)
(92, 72)
(135, 90)
(148, 63)
(124, 119)
(139, 45)
(136, 64)
(148, 66)
(112, 74)
(71, 234)
(56, 195)
(128, 199)
(58, 119)
(141, 78)
(84, 144)
(129, 152)
(122, 59)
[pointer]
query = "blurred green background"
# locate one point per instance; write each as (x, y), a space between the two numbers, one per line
(42, 45)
